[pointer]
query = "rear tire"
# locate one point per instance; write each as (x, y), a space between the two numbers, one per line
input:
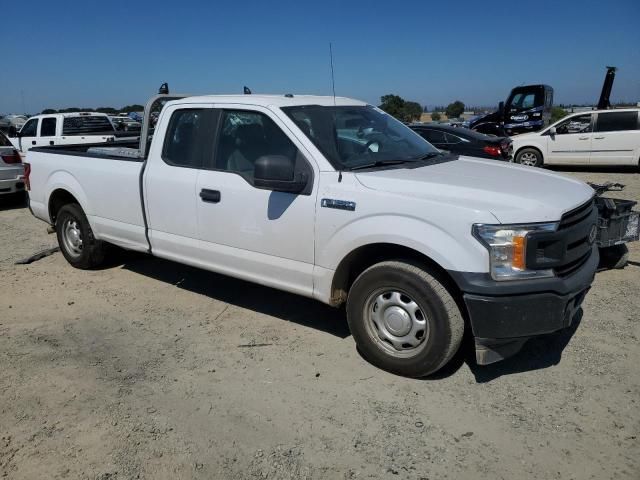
(530, 157)
(76, 240)
(403, 319)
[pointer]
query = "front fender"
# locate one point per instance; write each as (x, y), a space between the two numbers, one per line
(452, 250)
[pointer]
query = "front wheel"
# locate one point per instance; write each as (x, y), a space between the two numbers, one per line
(403, 319)
(76, 240)
(530, 157)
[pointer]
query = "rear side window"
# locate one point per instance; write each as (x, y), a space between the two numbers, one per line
(453, 139)
(48, 127)
(617, 121)
(86, 125)
(189, 139)
(433, 136)
(30, 128)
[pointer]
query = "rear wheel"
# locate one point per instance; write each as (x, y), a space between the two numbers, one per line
(530, 157)
(76, 240)
(403, 319)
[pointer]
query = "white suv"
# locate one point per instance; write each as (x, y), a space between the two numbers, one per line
(598, 137)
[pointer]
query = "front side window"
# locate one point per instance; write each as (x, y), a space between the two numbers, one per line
(189, 137)
(48, 127)
(617, 121)
(357, 136)
(245, 136)
(577, 124)
(30, 128)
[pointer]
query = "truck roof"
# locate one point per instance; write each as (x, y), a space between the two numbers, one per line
(273, 100)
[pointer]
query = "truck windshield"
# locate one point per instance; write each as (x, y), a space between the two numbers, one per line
(353, 137)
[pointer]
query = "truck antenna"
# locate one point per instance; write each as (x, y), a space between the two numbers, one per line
(333, 82)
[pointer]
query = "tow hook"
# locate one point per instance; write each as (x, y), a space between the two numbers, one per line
(51, 229)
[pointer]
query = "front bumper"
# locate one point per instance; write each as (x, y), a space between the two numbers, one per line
(504, 315)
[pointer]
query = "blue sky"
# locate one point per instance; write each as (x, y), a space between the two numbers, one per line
(90, 53)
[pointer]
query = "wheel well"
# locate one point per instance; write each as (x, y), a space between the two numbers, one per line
(57, 200)
(364, 257)
(531, 148)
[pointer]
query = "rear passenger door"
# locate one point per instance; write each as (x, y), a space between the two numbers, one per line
(616, 139)
(47, 136)
(175, 161)
(248, 232)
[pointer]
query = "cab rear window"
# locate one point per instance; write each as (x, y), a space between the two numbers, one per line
(86, 125)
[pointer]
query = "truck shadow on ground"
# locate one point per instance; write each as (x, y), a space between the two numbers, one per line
(12, 202)
(537, 354)
(251, 296)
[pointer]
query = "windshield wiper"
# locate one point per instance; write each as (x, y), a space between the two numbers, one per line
(381, 163)
(428, 156)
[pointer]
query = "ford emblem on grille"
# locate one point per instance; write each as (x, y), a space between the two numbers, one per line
(593, 233)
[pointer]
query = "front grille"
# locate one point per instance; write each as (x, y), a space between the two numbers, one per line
(576, 225)
(568, 248)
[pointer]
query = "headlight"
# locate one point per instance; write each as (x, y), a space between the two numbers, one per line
(507, 245)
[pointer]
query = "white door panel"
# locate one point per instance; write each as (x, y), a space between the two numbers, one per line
(572, 142)
(615, 148)
(273, 229)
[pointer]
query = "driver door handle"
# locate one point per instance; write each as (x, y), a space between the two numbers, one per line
(210, 196)
(583, 138)
(33, 142)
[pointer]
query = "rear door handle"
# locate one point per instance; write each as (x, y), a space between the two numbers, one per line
(583, 138)
(33, 142)
(598, 138)
(210, 196)
(50, 142)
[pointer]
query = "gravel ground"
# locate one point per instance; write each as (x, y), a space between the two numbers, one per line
(150, 369)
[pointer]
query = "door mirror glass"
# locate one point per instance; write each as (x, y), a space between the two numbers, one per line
(277, 173)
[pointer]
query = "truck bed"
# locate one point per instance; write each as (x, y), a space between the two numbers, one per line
(117, 150)
(105, 182)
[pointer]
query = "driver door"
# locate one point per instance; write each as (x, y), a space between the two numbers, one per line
(28, 135)
(248, 232)
(571, 143)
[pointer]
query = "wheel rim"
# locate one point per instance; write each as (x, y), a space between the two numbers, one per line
(529, 159)
(396, 323)
(72, 237)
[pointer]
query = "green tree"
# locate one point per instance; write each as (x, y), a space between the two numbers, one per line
(132, 108)
(557, 113)
(435, 116)
(393, 105)
(455, 109)
(412, 111)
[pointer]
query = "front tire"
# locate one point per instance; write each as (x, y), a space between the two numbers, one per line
(76, 240)
(530, 157)
(403, 319)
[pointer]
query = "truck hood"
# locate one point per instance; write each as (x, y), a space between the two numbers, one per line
(511, 193)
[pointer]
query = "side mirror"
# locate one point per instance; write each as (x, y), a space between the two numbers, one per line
(501, 107)
(277, 173)
(12, 132)
(552, 131)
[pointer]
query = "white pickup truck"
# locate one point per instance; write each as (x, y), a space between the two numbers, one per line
(64, 129)
(334, 199)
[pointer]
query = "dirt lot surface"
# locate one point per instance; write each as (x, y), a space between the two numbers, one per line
(149, 369)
